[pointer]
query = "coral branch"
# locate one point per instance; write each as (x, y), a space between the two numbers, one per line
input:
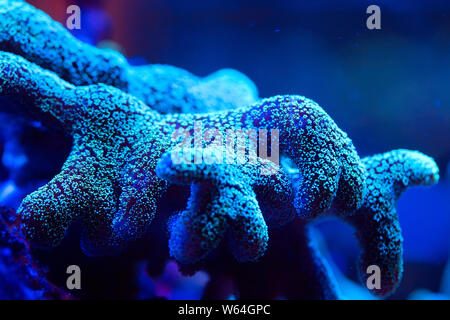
(32, 34)
(293, 259)
(222, 197)
(376, 222)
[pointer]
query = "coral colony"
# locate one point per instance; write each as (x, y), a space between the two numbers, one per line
(138, 130)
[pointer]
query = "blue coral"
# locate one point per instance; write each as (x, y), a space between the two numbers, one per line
(223, 197)
(32, 34)
(293, 259)
(109, 180)
(376, 222)
(121, 163)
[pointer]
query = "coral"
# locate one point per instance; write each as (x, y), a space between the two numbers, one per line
(32, 34)
(127, 150)
(20, 276)
(109, 178)
(292, 266)
(376, 222)
(223, 197)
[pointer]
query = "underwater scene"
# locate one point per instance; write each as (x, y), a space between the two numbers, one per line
(224, 150)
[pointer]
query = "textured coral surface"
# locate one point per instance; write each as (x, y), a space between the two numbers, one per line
(35, 36)
(128, 126)
(109, 178)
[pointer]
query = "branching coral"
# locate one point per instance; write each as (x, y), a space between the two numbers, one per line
(32, 34)
(124, 152)
(376, 222)
(224, 196)
(109, 178)
(293, 260)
